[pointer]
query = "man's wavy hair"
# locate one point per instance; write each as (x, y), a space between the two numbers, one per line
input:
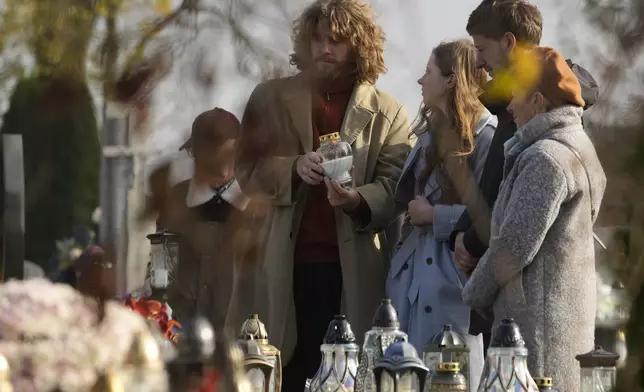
(349, 20)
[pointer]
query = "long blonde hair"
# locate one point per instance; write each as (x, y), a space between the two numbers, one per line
(350, 20)
(453, 131)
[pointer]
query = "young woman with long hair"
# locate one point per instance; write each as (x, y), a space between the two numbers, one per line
(440, 177)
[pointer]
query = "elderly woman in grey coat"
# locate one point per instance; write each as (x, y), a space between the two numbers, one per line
(540, 266)
(440, 176)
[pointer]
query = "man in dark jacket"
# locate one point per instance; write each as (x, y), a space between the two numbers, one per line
(498, 28)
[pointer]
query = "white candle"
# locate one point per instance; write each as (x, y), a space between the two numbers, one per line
(160, 278)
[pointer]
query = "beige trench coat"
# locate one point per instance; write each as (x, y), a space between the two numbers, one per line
(277, 127)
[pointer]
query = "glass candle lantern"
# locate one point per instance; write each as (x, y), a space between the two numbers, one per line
(446, 377)
(337, 371)
(385, 331)
(195, 351)
(506, 365)
(338, 158)
(598, 370)
(448, 346)
(400, 370)
(258, 367)
(164, 257)
(253, 329)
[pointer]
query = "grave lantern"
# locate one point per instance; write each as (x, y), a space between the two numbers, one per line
(257, 366)
(400, 370)
(598, 370)
(164, 256)
(448, 346)
(254, 330)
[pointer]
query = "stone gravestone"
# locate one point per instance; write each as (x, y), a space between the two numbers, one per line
(13, 213)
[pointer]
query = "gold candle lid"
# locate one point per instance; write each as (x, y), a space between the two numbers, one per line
(448, 367)
(335, 136)
(543, 381)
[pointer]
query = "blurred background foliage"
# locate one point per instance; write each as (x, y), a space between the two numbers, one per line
(64, 59)
(617, 124)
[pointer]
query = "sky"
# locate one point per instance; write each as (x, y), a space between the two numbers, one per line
(412, 27)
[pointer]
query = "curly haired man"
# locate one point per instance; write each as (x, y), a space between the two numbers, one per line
(320, 256)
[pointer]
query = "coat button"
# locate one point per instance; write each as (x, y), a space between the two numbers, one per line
(429, 261)
(405, 267)
(428, 309)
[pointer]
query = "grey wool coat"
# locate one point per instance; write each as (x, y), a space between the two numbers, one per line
(540, 266)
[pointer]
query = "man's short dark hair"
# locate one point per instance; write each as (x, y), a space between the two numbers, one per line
(493, 18)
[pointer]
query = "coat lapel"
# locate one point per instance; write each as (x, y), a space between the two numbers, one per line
(425, 140)
(360, 111)
(298, 104)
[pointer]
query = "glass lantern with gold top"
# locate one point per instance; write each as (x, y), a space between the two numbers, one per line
(257, 366)
(254, 330)
(448, 346)
(446, 377)
(338, 158)
(544, 384)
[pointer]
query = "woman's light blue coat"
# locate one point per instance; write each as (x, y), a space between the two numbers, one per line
(424, 283)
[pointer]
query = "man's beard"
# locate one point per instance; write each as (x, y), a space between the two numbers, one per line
(330, 70)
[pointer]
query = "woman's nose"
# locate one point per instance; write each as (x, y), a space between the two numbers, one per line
(420, 81)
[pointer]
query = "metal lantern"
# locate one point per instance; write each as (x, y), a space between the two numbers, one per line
(446, 377)
(598, 370)
(228, 373)
(339, 364)
(544, 384)
(385, 331)
(258, 367)
(195, 350)
(448, 346)
(506, 367)
(338, 157)
(613, 308)
(253, 329)
(400, 370)
(164, 257)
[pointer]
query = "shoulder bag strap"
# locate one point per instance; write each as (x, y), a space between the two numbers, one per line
(593, 210)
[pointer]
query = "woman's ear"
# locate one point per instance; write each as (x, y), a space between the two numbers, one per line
(451, 81)
(539, 101)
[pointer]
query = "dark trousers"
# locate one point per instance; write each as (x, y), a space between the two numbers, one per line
(317, 290)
